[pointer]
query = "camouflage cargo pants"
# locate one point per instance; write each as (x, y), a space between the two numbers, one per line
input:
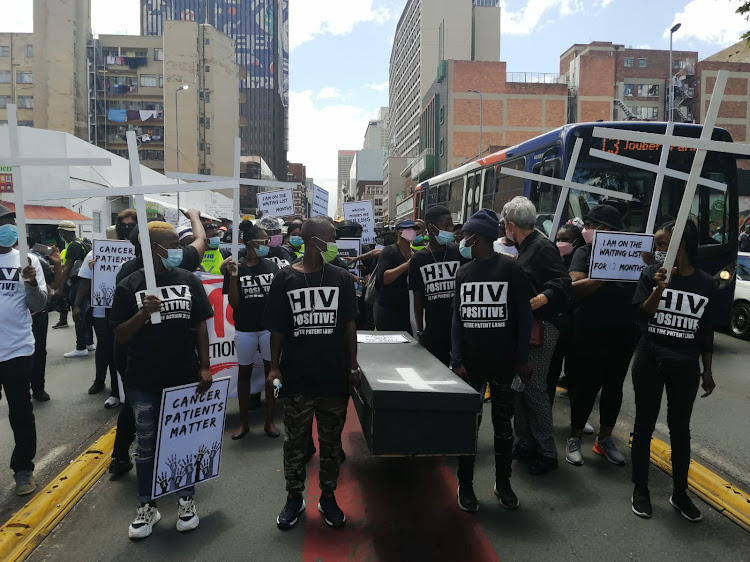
(330, 411)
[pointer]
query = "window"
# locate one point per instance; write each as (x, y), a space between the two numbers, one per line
(26, 102)
(208, 68)
(4, 101)
(97, 221)
(642, 63)
(4, 76)
(442, 114)
(158, 54)
(25, 123)
(4, 51)
(628, 90)
(161, 80)
(206, 147)
(208, 122)
(653, 91)
(205, 171)
(207, 97)
(207, 41)
(148, 80)
(24, 78)
(654, 113)
(628, 62)
(30, 51)
(143, 53)
(442, 147)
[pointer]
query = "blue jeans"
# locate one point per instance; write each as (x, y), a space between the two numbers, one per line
(146, 406)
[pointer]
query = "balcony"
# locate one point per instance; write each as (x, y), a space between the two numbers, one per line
(535, 78)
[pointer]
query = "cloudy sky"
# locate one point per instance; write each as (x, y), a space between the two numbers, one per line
(341, 50)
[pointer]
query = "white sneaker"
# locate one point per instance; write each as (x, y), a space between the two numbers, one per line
(76, 353)
(588, 429)
(187, 516)
(112, 402)
(91, 347)
(573, 451)
(144, 522)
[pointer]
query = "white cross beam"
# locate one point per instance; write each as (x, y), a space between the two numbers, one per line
(411, 378)
(18, 162)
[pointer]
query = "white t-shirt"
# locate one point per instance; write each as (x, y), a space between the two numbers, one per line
(16, 337)
(87, 273)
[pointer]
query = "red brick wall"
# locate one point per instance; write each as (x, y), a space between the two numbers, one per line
(594, 110)
(478, 75)
(466, 112)
(525, 113)
(597, 75)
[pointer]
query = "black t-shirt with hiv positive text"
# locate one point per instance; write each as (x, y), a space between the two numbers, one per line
(489, 297)
(254, 284)
(434, 274)
(162, 355)
(681, 327)
(311, 311)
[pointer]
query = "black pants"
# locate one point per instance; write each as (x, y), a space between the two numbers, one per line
(39, 325)
(502, 412)
(439, 345)
(562, 350)
(600, 362)
(84, 331)
(125, 434)
(105, 354)
(15, 375)
(392, 320)
(650, 378)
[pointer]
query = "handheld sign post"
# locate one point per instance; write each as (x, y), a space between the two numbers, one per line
(108, 256)
(277, 203)
(18, 162)
(618, 256)
(320, 202)
(362, 213)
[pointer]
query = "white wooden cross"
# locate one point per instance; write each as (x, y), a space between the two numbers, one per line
(410, 377)
(18, 162)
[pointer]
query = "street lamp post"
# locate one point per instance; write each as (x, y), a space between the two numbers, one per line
(480, 117)
(670, 100)
(177, 137)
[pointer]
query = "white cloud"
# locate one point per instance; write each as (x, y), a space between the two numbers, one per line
(709, 21)
(527, 20)
(310, 18)
(329, 94)
(378, 87)
(606, 3)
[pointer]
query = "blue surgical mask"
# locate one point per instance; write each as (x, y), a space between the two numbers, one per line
(173, 259)
(445, 237)
(214, 242)
(8, 235)
(419, 239)
(465, 250)
(262, 251)
(296, 241)
(660, 257)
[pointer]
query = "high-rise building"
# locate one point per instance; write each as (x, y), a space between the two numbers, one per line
(260, 29)
(346, 157)
(16, 76)
(376, 135)
(429, 32)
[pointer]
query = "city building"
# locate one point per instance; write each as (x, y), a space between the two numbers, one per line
(260, 30)
(376, 135)
(394, 185)
(366, 179)
(734, 114)
(345, 159)
(428, 32)
(16, 76)
(298, 173)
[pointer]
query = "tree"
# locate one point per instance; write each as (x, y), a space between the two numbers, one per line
(744, 10)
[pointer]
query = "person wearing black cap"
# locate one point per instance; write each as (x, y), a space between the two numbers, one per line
(392, 309)
(604, 336)
(490, 336)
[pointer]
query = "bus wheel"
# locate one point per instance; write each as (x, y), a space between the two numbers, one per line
(740, 322)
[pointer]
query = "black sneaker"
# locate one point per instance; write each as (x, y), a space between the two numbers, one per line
(96, 388)
(467, 499)
(683, 504)
(60, 325)
(295, 504)
(521, 453)
(118, 468)
(542, 465)
(506, 496)
(331, 511)
(40, 396)
(641, 502)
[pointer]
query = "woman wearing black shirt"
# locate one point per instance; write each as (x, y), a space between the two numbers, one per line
(676, 324)
(247, 286)
(392, 310)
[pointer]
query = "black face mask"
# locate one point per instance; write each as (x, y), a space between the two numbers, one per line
(124, 230)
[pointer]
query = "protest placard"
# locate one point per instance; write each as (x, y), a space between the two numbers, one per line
(361, 212)
(319, 202)
(277, 203)
(617, 256)
(108, 255)
(374, 338)
(191, 427)
(350, 248)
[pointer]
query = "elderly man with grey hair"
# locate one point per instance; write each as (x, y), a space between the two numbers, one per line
(541, 261)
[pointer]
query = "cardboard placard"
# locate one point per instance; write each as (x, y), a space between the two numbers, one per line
(108, 256)
(374, 338)
(350, 248)
(277, 203)
(617, 256)
(191, 428)
(319, 202)
(362, 212)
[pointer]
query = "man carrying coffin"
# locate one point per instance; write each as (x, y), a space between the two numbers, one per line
(311, 314)
(171, 353)
(490, 343)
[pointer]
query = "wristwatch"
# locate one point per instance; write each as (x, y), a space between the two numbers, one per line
(420, 334)
(356, 371)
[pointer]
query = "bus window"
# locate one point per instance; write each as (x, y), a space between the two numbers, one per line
(507, 187)
(472, 196)
(544, 195)
(443, 193)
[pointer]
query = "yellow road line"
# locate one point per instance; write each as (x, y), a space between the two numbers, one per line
(29, 526)
(714, 490)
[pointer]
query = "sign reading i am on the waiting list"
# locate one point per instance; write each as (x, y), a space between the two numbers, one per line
(618, 256)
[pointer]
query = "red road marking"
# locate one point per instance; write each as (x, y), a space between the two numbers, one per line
(396, 509)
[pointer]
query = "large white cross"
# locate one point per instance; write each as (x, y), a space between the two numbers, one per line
(18, 162)
(411, 378)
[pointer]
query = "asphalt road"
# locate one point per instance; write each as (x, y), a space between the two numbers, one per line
(398, 509)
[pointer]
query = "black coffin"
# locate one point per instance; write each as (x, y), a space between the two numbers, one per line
(410, 404)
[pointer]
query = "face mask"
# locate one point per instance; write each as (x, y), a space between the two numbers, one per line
(8, 235)
(214, 242)
(565, 248)
(419, 239)
(445, 237)
(331, 251)
(173, 259)
(588, 235)
(296, 241)
(660, 257)
(465, 250)
(276, 240)
(125, 229)
(409, 235)
(262, 251)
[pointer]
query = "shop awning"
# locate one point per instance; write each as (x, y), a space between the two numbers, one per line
(41, 214)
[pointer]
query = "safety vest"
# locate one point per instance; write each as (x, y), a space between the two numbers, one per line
(65, 250)
(212, 261)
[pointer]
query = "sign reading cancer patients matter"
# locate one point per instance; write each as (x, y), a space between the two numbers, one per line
(319, 202)
(108, 255)
(618, 256)
(191, 427)
(361, 212)
(277, 203)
